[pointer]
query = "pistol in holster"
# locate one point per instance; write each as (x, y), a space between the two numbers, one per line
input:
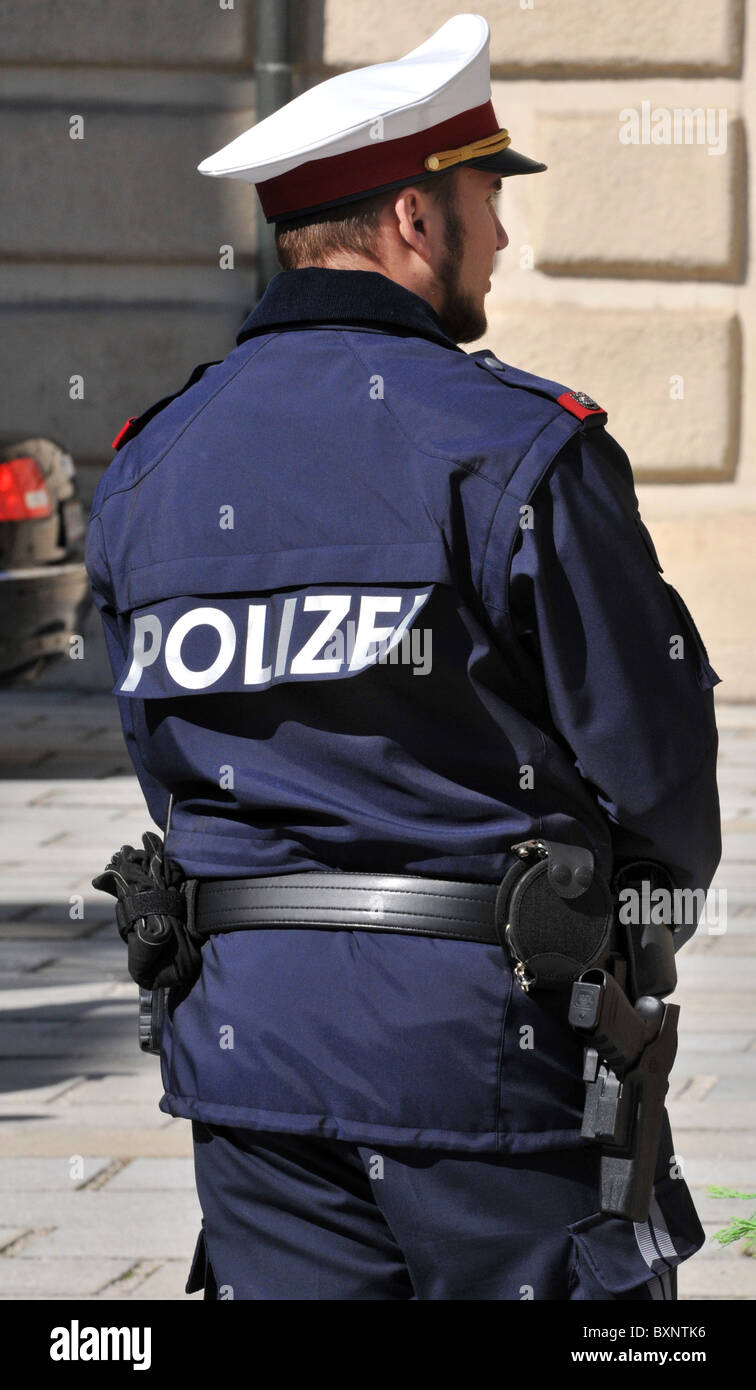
(561, 924)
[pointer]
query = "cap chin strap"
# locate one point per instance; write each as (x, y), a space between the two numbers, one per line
(490, 145)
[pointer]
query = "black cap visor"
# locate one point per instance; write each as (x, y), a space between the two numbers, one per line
(505, 162)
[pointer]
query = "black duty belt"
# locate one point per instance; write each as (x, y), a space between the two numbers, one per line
(368, 902)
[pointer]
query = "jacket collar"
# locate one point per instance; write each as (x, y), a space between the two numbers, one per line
(295, 298)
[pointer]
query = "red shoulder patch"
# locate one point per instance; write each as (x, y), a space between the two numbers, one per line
(124, 432)
(578, 403)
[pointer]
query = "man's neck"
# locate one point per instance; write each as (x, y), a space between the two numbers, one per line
(424, 285)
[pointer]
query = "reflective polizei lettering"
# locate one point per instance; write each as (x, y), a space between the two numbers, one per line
(235, 643)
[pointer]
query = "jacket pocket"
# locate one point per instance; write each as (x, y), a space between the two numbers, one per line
(707, 676)
(613, 1258)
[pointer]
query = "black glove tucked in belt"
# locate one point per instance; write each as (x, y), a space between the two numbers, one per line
(151, 914)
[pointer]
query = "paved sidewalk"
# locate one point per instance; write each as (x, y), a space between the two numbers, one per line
(97, 1195)
(87, 1161)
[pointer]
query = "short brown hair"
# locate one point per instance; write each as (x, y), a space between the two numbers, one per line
(311, 239)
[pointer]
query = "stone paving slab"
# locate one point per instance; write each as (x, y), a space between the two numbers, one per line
(36, 1040)
(40, 838)
(14, 1098)
(718, 1014)
(124, 1010)
(47, 1071)
(90, 1037)
(122, 794)
(47, 1174)
(74, 1118)
(154, 1175)
(737, 880)
(735, 1117)
(716, 1145)
(145, 1086)
(59, 1277)
(729, 972)
(732, 1089)
(740, 931)
(739, 846)
(112, 1225)
(57, 978)
(57, 1297)
(96, 762)
(47, 1039)
(740, 943)
(697, 1279)
(45, 928)
(104, 1015)
(21, 956)
(174, 1140)
(41, 1074)
(700, 1170)
(8, 1236)
(104, 946)
(79, 991)
(20, 888)
(166, 1283)
(708, 1041)
(39, 957)
(38, 824)
(103, 964)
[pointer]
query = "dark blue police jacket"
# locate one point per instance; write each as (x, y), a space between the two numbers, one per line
(373, 603)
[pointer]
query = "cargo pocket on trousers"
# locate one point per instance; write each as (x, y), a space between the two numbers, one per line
(201, 1272)
(614, 1258)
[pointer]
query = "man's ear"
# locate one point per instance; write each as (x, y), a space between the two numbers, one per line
(410, 210)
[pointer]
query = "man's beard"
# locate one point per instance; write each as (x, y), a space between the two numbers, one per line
(462, 319)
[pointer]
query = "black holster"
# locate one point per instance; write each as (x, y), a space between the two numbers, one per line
(560, 924)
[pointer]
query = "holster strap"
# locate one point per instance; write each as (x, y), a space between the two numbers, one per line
(367, 902)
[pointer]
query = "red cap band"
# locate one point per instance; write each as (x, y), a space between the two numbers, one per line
(381, 162)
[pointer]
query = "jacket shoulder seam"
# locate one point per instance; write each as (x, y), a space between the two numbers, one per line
(431, 453)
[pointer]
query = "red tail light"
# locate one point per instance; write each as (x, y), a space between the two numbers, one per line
(23, 493)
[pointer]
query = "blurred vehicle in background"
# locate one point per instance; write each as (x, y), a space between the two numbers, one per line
(44, 594)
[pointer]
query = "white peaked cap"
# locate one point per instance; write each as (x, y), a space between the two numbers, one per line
(378, 127)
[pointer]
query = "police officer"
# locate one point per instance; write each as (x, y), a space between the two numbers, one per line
(378, 609)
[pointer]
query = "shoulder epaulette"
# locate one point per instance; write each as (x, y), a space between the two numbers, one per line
(577, 403)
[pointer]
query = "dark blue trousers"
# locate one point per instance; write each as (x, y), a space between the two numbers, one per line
(289, 1217)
